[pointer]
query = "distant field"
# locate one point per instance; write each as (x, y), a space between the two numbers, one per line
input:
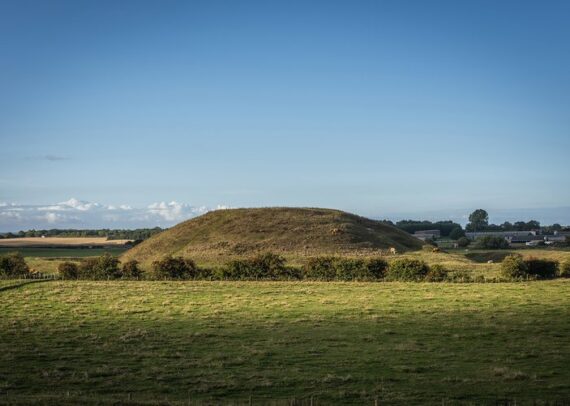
(62, 247)
(59, 241)
(33, 252)
(65, 342)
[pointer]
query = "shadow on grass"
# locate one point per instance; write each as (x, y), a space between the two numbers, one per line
(410, 359)
(23, 283)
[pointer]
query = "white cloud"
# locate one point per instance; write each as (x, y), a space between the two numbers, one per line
(170, 211)
(75, 213)
(80, 204)
(51, 217)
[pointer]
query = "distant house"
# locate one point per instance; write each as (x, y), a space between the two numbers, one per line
(427, 234)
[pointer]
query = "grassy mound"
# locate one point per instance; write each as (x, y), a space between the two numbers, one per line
(219, 235)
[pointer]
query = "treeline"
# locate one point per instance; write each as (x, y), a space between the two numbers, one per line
(478, 221)
(516, 226)
(111, 234)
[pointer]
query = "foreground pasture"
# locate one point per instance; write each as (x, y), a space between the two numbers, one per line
(64, 342)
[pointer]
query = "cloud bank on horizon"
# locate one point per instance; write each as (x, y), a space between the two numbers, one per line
(81, 214)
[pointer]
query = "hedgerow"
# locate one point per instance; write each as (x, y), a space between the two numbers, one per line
(269, 266)
(541, 268)
(330, 268)
(564, 271)
(13, 265)
(174, 268)
(407, 269)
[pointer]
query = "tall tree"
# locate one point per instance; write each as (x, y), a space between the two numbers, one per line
(478, 220)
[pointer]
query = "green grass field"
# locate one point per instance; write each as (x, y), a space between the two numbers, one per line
(343, 343)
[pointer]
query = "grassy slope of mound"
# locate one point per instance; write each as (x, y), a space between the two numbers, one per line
(221, 234)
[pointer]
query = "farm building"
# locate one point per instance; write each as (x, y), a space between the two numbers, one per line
(506, 234)
(427, 234)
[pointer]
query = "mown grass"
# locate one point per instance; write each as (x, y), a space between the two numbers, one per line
(65, 342)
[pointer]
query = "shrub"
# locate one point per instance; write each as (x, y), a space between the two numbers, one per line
(407, 269)
(293, 273)
(131, 270)
(345, 269)
(269, 265)
(13, 265)
(436, 273)
(456, 233)
(514, 267)
(377, 267)
(564, 270)
(320, 268)
(208, 274)
(460, 277)
(463, 242)
(541, 268)
(103, 267)
(68, 270)
(492, 242)
(348, 269)
(174, 268)
(262, 266)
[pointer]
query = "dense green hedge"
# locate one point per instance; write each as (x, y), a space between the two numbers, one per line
(564, 271)
(407, 269)
(270, 266)
(437, 273)
(13, 265)
(542, 268)
(515, 267)
(100, 268)
(344, 269)
(174, 268)
(263, 266)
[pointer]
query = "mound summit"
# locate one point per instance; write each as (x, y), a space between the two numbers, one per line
(220, 234)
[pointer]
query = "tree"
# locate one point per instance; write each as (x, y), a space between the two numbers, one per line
(174, 268)
(103, 267)
(131, 270)
(478, 220)
(492, 242)
(68, 270)
(456, 233)
(13, 264)
(514, 267)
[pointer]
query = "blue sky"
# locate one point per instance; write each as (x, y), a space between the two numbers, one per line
(374, 107)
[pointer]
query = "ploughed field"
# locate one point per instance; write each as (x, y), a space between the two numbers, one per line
(81, 342)
(62, 247)
(60, 242)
